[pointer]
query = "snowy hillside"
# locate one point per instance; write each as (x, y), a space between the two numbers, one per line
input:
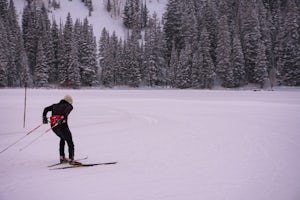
(169, 144)
(100, 17)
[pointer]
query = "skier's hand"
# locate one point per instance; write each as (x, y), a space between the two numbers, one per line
(45, 120)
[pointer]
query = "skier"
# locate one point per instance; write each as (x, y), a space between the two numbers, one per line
(59, 124)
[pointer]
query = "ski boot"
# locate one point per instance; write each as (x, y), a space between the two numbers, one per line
(74, 162)
(62, 159)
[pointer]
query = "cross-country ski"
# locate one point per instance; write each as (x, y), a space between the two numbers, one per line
(61, 163)
(83, 165)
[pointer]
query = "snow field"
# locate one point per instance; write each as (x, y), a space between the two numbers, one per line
(169, 144)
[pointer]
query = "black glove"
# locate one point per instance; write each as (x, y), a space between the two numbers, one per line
(45, 120)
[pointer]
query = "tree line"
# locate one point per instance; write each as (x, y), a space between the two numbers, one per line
(197, 44)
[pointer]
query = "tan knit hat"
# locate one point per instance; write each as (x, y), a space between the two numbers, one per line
(68, 99)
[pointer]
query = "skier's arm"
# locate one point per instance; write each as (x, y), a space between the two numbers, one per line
(67, 110)
(46, 110)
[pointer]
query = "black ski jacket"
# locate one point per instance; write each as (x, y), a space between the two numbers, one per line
(62, 108)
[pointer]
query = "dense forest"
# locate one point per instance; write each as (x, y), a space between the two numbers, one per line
(197, 44)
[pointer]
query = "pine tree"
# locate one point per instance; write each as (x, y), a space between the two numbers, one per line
(61, 69)
(41, 70)
(127, 21)
(30, 34)
(261, 67)
(237, 61)
(190, 25)
(120, 79)
(53, 71)
(144, 15)
(154, 72)
(196, 68)
(3, 10)
(223, 51)
(44, 29)
(289, 47)
(13, 36)
(89, 5)
(171, 72)
(131, 13)
(266, 28)
(73, 69)
(114, 56)
(250, 37)
(70, 56)
(125, 63)
(92, 70)
(20, 55)
(173, 26)
(209, 21)
(184, 68)
(12, 65)
(3, 54)
(133, 72)
(206, 72)
(107, 73)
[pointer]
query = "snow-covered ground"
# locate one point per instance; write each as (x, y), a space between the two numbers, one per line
(169, 145)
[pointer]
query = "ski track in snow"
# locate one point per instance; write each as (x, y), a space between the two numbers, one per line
(169, 145)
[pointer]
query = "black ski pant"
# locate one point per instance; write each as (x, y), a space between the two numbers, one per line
(65, 135)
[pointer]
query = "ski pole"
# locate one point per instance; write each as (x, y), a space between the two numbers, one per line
(21, 138)
(27, 145)
(49, 129)
(30, 143)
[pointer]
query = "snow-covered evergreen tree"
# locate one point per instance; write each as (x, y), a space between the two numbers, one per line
(3, 54)
(250, 36)
(247, 41)
(61, 70)
(13, 61)
(206, 72)
(171, 72)
(190, 25)
(45, 37)
(196, 68)
(134, 67)
(237, 61)
(30, 34)
(131, 13)
(86, 53)
(13, 34)
(209, 20)
(53, 71)
(41, 69)
(261, 67)
(223, 52)
(173, 26)
(144, 15)
(154, 64)
(70, 56)
(114, 56)
(184, 68)
(107, 73)
(289, 47)
(73, 69)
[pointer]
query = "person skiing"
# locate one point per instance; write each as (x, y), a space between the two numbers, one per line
(59, 123)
